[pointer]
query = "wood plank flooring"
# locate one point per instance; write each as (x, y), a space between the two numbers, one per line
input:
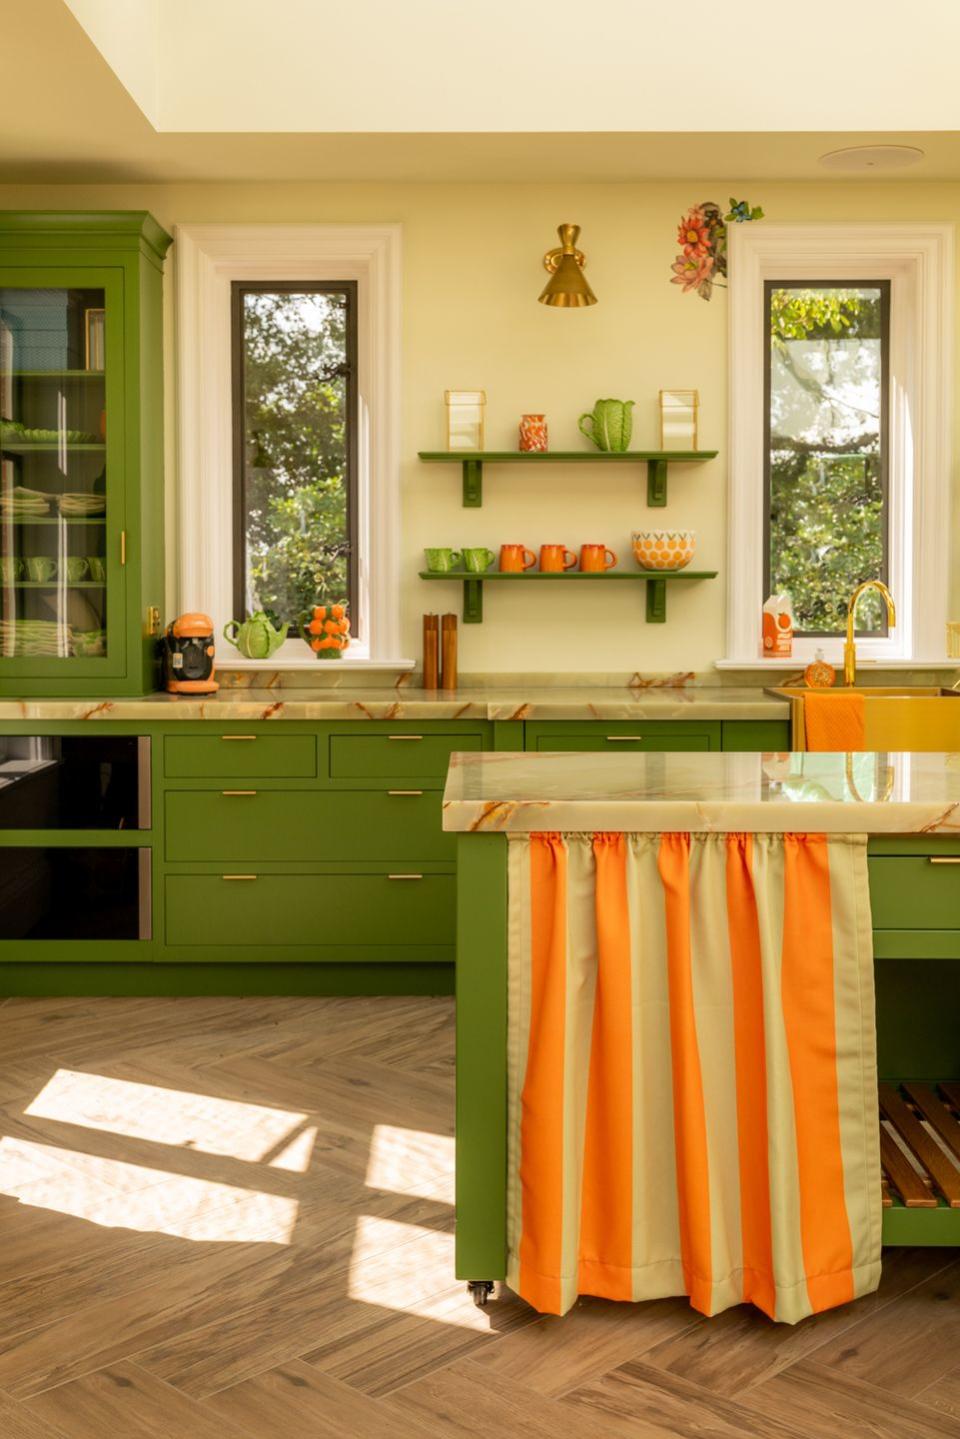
(232, 1219)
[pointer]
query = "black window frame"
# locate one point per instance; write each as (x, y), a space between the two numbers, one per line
(239, 288)
(884, 286)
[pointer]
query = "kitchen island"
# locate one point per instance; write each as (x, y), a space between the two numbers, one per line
(908, 807)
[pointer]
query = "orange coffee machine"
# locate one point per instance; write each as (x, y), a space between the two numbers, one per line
(188, 656)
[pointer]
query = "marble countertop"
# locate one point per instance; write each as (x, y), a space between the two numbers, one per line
(511, 703)
(758, 793)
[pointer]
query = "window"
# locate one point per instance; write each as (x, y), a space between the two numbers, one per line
(295, 447)
(841, 392)
(825, 452)
(242, 513)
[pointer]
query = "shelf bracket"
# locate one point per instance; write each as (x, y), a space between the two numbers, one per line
(472, 601)
(656, 487)
(656, 602)
(472, 484)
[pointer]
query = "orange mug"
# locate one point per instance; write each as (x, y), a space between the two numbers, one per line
(513, 558)
(554, 559)
(594, 557)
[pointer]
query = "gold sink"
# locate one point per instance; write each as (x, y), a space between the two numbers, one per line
(895, 717)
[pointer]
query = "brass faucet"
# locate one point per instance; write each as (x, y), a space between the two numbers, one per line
(849, 648)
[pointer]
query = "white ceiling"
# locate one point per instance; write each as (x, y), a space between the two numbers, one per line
(434, 66)
(456, 90)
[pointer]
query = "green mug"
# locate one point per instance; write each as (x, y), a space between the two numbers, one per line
(11, 568)
(77, 568)
(441, 560)
(40, 568)
(96, 568)
(478, 560)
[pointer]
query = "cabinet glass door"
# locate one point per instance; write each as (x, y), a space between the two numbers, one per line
(60, 535)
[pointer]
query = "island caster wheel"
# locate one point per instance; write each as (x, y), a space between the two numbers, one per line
(480, 1291)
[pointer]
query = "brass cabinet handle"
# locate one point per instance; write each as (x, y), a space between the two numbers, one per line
(123, 547)
(623, 738)
(238, 876)
(404, 876)
(943, 859)
(404, 791)
(405, 736)
(232, 793)
(238, 736)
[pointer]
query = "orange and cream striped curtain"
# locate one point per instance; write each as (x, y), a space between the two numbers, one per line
(692, 1071)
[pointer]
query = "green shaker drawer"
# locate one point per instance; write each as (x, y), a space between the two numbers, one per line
(305, 825)
(915, 891)
(397, 756)
(243, 755)
(622, 736)
(310, 909)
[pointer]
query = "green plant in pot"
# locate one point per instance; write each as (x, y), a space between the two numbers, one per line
(256, 638)
(609, 425)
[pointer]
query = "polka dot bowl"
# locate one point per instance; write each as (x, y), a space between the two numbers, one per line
(664, 549)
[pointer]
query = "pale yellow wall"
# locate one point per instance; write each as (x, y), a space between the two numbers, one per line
(471, 277)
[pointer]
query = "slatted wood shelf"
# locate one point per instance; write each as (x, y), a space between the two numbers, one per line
(922, 1170)
(656, 461)
(655, 581)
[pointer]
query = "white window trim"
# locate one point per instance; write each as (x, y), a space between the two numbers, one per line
(918, 259)
(208, 259)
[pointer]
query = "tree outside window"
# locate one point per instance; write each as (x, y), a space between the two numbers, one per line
(826, 448)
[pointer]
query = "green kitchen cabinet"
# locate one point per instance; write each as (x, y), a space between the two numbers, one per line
(81, 451)
(623, 736)
(396, 912)
(326, 826)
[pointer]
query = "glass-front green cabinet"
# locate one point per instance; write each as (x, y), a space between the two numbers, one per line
(81, 452)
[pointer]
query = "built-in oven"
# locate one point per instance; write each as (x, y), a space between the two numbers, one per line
(67, 892)
(55, 887)
(74, 782)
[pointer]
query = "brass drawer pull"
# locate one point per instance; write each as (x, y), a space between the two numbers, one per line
(238, 876)
(404, 876)
(229, 793)
(623, 738)
(405, 736)
(238, 736)
(404, 791)
(943, 859)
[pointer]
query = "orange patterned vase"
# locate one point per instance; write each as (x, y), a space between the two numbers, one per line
(533, 433)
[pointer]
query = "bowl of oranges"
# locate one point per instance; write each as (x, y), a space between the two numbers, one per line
(326, 629)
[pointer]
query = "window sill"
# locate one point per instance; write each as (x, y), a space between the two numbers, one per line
(798, 661)
(278, 663)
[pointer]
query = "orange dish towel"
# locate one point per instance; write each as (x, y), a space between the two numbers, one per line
(834, 722)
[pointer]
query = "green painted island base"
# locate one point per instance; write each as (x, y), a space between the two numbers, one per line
(119, 979)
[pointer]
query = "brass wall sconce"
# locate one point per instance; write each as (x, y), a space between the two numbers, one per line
(567, 285)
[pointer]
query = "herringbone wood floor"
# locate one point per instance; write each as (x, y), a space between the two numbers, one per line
(233, 1218)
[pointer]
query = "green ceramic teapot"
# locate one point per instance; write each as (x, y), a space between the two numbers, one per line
(256, 639)
(610, 424)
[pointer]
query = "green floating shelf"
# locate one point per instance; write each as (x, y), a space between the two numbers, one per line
(655, 580)
(656, 461)
(14, 446)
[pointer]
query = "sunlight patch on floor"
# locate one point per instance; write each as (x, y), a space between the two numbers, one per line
(408, 1161)
(114, 1194)
(410, 1269)
(200, 1122)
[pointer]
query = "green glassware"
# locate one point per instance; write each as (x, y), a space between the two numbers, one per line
(610, 425)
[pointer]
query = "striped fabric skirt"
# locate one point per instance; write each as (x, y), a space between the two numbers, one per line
(692, 1078)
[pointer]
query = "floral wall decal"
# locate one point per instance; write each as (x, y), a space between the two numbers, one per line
(702, 235)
